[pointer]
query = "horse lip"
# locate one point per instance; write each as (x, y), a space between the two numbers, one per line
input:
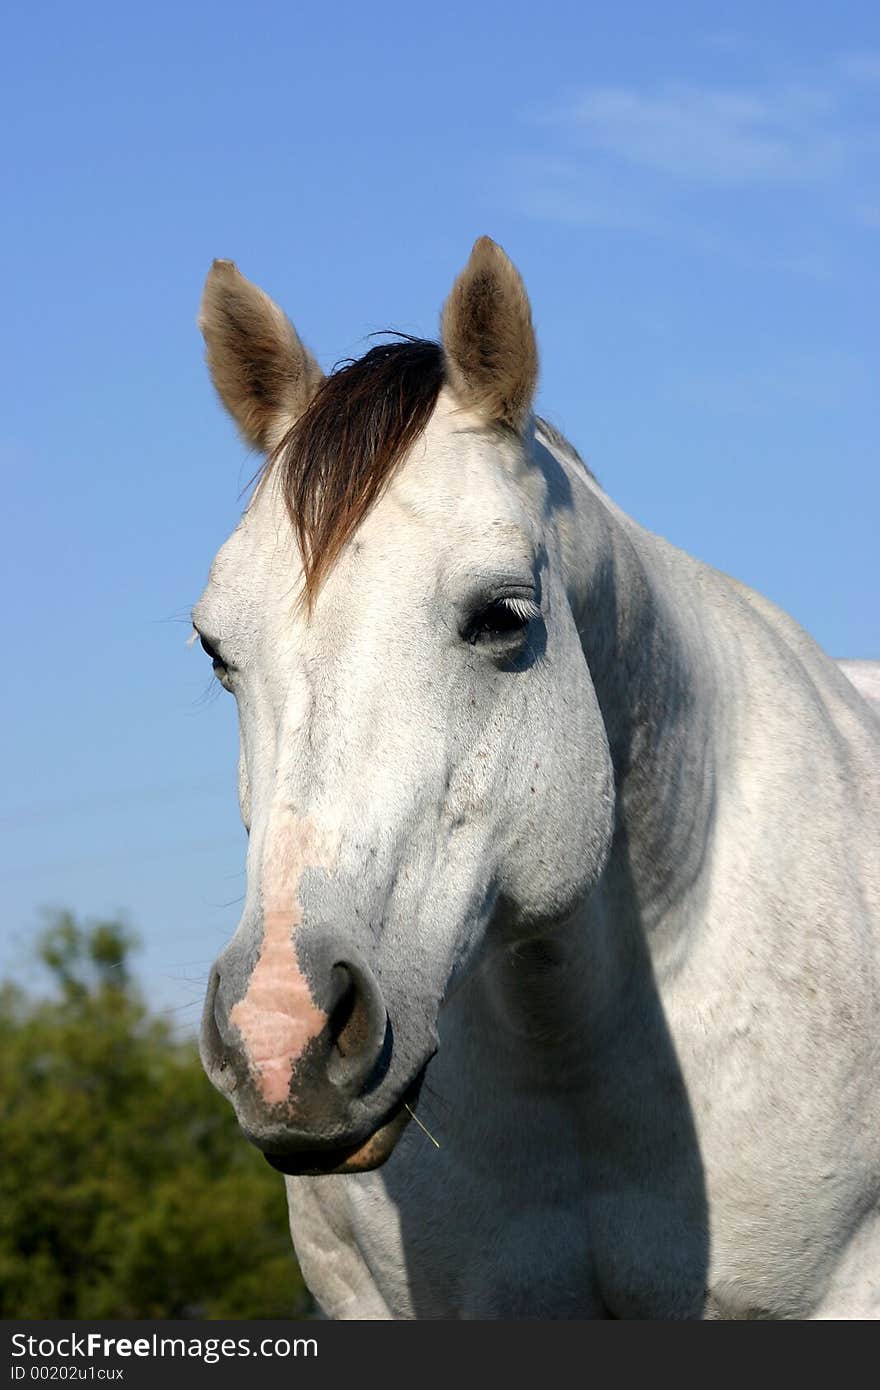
(365, 1153)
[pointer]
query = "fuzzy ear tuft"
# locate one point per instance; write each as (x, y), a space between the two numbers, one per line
(262, 372)
(488, 338)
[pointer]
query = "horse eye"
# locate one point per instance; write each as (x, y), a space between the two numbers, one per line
(503, 618)
(221, 670)
(210, 651)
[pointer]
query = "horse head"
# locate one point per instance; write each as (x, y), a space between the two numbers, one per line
(424, 773)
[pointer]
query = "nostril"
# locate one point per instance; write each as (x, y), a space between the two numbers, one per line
(357, 1027)
(347, 1016)
(342, 1010)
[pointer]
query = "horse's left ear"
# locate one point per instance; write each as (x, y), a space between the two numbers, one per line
(488, 338)
(263, 373)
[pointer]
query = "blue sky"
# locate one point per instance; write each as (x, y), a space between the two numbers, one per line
(692, 193)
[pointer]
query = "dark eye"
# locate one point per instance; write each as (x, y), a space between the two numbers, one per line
(221, 670)
(505, 618)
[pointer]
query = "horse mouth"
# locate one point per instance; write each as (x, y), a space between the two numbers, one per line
(359, 1157)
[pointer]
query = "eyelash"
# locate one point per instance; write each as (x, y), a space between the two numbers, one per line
(522, 610)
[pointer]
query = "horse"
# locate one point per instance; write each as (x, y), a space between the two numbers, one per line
(555, 992)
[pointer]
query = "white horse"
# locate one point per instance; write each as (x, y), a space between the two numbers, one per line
(556, 987)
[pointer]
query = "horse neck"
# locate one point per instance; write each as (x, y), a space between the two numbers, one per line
(649, 649)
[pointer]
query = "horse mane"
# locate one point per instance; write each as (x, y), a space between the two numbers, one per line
(335, 461)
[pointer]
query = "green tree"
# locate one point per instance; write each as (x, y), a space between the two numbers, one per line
(126, 1188)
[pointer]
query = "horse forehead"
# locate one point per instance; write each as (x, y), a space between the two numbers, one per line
(454, 504)
(462, 468)
(413, 541)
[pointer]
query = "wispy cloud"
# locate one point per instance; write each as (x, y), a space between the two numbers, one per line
(685, 158)
(712, 135)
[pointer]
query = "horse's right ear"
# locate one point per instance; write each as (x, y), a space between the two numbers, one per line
(488, 338)
(263, 374)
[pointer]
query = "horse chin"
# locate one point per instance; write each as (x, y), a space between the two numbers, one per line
(368, 1153)
(372, 1153)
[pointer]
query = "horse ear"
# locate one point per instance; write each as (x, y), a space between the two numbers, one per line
(488, 338)
(262, 372)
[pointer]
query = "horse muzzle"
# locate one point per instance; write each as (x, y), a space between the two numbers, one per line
(306, 1055)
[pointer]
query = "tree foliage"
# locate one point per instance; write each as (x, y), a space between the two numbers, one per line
(126, 1187)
